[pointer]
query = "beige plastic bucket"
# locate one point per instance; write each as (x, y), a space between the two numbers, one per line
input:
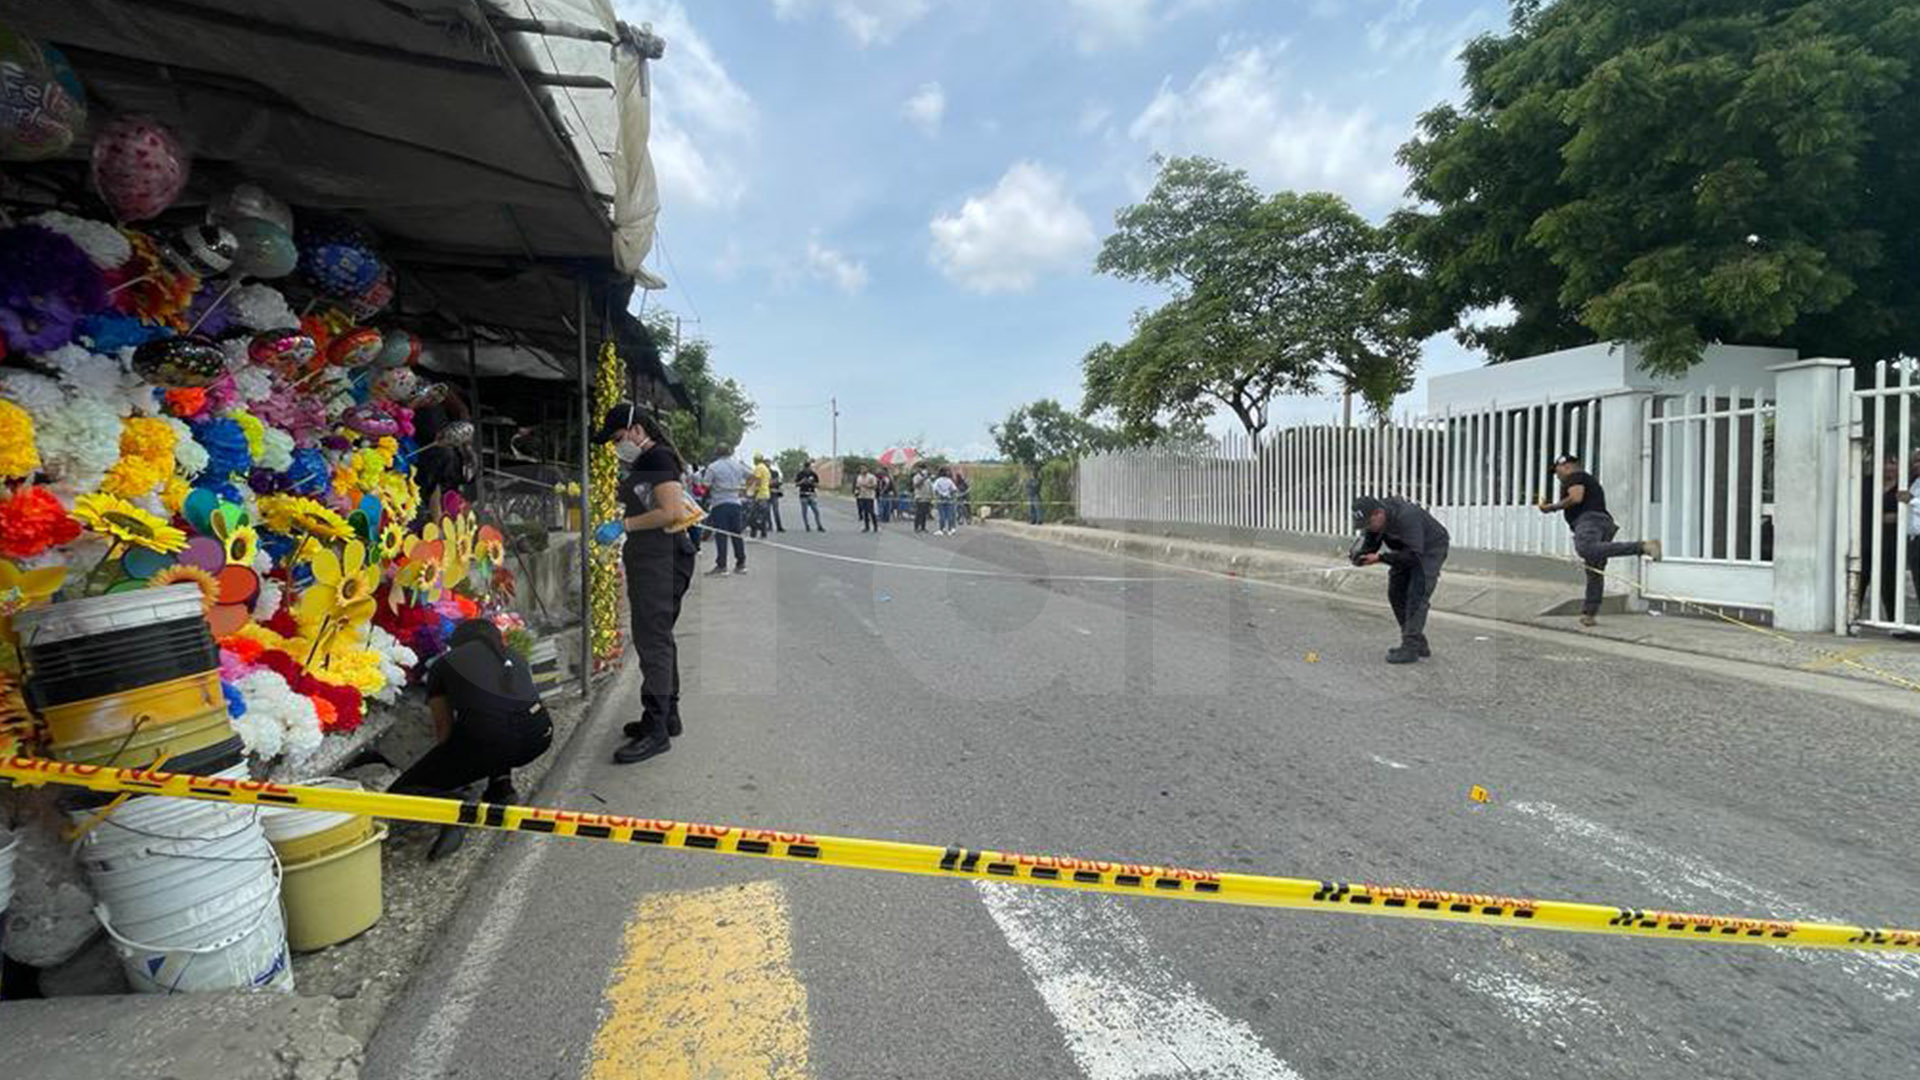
(335, 896)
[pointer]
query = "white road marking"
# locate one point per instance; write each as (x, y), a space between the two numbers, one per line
(1529, 1003)
(1388, 762)
(1125, 1016)
(1692, 884)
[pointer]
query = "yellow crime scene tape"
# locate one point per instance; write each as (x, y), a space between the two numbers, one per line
(955, 861)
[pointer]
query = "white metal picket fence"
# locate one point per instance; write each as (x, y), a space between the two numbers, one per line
(1878, 522)
(1481, 473)
(1706, 487)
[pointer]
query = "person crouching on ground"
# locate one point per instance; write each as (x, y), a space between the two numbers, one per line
(1414, 547)
(489, 721)
(1584, 502)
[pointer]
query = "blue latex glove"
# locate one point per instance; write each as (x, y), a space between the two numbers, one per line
(609, 532)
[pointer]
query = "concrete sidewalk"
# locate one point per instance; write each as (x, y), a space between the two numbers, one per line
(1530, 591)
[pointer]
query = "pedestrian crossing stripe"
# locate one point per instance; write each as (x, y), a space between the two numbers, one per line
(953, 860)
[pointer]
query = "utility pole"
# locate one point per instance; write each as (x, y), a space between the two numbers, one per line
(834, 404)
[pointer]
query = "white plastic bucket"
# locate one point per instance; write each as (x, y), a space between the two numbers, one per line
(252, 957)
(128, 866)
(287, 824)
(8, 844)
(183, 918)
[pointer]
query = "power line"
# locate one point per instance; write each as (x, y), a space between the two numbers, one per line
(660, 242)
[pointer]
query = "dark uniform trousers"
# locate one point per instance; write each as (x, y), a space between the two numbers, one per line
(655, 588)
(1410, 585)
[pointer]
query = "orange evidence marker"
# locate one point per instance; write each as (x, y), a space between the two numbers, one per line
(1477, 793)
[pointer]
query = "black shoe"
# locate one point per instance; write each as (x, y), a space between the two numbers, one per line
(1401, 654)
(1425, 651)
(673, 725)
(716, 571)
(640, 749)
(448, 842)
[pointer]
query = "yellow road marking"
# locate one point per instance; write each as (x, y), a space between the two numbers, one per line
(1834, 659)
(706, 992)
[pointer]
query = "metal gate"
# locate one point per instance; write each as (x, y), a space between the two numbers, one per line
(1882, 478)
(1707, 496)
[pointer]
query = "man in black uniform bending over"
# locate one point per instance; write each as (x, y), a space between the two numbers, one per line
(1584, 502)
(1414, 546)
(658, 559)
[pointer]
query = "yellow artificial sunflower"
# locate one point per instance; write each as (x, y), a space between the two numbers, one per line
(489, 546)
(179, 572)
(126, 523)
(459, 550)
(22, 589)
(342, 589)
(241, 541)
(393, 542)
(420, 574)
(297, 514)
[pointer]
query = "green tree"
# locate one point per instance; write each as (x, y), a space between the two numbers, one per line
(1273, 295)
(723, 412)
(1048, 431)
(793, 460)
(1677, 172)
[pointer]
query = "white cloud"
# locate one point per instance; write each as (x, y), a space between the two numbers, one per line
(701, 117)
(871, 22)
(846, 274)
(1093, 117)
(1003, 240)
(1104, 24)
(1237, 110)
(1381, 32)
(925, 108)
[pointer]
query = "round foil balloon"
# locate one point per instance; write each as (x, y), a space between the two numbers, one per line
(281, 351)
(339, 270)
(139, 167)
(355, 347)
(431, 394)
(209, 249)
(264, 250)
(42, 105)
(398, 350)
(179, 361)
(457, 433)
(375, 299)
(397, 384)
(250, 202)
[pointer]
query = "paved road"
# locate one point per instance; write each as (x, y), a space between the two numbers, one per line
(1182, 722)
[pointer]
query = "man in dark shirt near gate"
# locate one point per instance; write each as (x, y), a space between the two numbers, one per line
(1584, 502)
(1414, 547)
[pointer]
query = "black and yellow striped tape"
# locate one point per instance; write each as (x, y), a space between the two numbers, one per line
(956, 861)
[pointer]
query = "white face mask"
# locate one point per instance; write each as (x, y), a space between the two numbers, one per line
(627, 452)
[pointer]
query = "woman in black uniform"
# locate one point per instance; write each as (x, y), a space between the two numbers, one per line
(658, 558)
(488, 718)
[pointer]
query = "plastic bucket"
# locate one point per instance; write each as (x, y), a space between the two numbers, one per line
(112, 716)
(543, 660)
(152, 742)
(251, 957)
(215, 760)
(299, 835)
(142, 870)
(83, 649)
(8, 845)
(334, 897)
(205, 900)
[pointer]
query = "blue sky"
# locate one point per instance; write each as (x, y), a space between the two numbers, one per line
(898, 202)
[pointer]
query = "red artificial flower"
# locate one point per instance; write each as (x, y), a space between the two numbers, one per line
(186, 401)
(323, 708)
(32, 520)
(247, 650)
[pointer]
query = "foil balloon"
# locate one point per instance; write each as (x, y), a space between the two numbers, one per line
(265, 250)
(457, 433)
(355, 348)
(399, 349)
(371, 419)
(376, 299)
(209, 249)
(339, 270)
(139, 167)
(250, 202)
(429, 395)
(397, 384)
(179, 361)
(278, 350)
(42, 105)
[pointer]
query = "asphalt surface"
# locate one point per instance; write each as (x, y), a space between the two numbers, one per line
(1214, 724)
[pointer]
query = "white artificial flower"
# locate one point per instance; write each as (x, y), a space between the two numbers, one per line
(78, 443)
(276, 450)
(253, 384)
(103, 243)
(189, 457)
(34, 392)
(261, 307)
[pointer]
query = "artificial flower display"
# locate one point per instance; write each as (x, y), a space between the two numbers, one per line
(163, 421)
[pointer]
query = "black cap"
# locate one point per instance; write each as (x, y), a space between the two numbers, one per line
(1566, 459)
(622, 416)
(1363, 508)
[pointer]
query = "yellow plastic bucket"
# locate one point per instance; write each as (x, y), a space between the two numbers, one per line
(346, 834)
(111, 716)
(334, 896)
(152, 742)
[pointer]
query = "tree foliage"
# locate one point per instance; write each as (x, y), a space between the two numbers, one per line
(1272, 294)
(792, 460)
(1048, 431)
(1677, 172)
(723, 412)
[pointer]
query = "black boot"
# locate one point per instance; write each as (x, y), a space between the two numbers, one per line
(1403, 654)
(448, 842)
(637, 750)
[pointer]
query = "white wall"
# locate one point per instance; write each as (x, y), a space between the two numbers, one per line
(1596, 371)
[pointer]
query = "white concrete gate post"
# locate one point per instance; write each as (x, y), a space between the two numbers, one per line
(1623, 442)
(1807, 474)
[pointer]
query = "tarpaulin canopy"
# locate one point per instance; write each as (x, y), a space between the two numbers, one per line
(501, 167)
